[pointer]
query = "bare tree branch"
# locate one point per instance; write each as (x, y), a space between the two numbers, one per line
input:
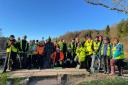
(118, 5)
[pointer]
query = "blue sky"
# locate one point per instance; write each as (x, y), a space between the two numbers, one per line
(43, 18)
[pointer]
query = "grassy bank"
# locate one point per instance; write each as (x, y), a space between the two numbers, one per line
(116, 81)
(3, 79)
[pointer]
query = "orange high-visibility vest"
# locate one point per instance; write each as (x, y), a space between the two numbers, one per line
(40, 50)
(54, 56)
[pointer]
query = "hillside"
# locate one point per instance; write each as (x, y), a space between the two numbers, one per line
(80, 34)
(119, 30)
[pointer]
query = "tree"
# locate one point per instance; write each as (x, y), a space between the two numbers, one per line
(97, 32)
(122, 28)
(107, 30)
(89, 33)
(119, 26)
(117, 5)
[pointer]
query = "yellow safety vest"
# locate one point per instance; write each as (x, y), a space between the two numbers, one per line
(108, 50)
(96, 46)
(80, 52)
(88, 46)
(11, 49)
(21, 45)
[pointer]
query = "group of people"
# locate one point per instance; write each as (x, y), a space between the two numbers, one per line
(92, 55)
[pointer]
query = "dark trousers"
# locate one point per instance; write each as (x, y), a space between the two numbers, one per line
(65, 55)
(38, 61)
(120, 64)
(48, 63)
(82, 65)
(106, 64)
(88, 62)
(73, 64)
(10, 61)
(67, 64)
(23, 57)
(58, 64)
(29, 61)
(35, 61)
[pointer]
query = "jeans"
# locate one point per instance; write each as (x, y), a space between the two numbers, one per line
(95, 65)
(106, 64)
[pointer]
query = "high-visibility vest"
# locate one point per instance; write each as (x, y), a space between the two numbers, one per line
(40, 50)
(77, 51)
(96, 46)
(60, 45)
(73, 47)
(88, 46)
(115, 49)
(21, 45)
(80, 51)
(11, 49)
(53, 56)
(108, 50)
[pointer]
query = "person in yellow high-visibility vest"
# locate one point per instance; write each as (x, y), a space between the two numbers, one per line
(95, 57)
(63, 47)
(24, 47)
(106, 54)
(118, 57)
(81, 55)
(11, 50)
(89, 52)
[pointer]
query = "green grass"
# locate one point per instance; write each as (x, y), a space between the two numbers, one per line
(117, 81)
(3, 79)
